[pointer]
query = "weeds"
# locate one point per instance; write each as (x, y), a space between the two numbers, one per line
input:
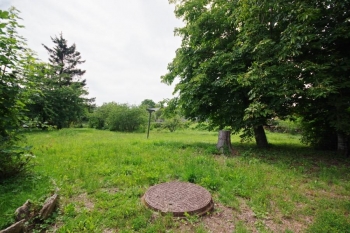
(102, 175)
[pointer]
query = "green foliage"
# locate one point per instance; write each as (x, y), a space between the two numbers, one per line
(210, 65)
(292, 126)
(172, 108)
(97, 119)
(244, 62)
(11, 92)
(126, 118)
(118, 117)
(60, 97)
(64, 59)
(318, 133)
(14, 89)
(173, 123)
(169, 116)
(14, 159)
(148, 103)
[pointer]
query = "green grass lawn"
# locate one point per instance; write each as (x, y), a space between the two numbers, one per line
(101, 176)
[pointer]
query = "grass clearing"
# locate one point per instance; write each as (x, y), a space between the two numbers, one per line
(101, 176)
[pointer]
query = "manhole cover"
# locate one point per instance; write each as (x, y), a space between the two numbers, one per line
(178, 198)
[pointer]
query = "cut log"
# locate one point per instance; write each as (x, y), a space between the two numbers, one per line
(224, 142)
(49, 207)
(17, 227)
(23, 212)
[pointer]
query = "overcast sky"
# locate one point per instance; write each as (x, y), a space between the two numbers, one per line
(127, 44)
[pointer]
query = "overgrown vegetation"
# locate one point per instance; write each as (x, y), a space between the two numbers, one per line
(101, 176)
(34, 93)
(282, 62)
(126, 118)
(13, 53)
(119, 117)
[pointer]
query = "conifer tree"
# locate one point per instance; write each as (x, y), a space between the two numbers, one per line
(65, 59)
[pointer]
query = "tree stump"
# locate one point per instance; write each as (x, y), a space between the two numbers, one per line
(224, 142)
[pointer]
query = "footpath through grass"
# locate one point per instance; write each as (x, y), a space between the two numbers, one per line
(102, 175)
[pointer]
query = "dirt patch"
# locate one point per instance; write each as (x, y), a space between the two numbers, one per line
(220, 220)
(109, 231)
(83, 202)
(246, 215)
(281, 223)
(333, 194)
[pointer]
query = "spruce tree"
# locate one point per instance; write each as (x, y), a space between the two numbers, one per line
(65, 59)
(62, 101)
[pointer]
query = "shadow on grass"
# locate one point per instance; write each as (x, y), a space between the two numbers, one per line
(299, 158)
(199, 147)
(305, 160)
(59, 131)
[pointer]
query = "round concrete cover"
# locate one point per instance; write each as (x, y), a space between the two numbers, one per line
(178, 198)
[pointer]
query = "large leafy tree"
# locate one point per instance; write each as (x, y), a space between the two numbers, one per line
(325, 58)
(210, 65)
(242, 62)
(301, 56)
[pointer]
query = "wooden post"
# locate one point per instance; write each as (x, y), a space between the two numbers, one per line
(149, 123)
(224, 142)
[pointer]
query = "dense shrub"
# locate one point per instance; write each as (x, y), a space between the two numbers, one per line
(172, 124)
(14, 159)
(118, 117)
(126, 118)
(319, 134)
(97, 119)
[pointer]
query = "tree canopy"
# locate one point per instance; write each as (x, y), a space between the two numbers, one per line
(243, 62)
(148, 103)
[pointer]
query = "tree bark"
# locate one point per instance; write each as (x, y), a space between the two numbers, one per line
(260, 137)
(343, 144)
(224, 142)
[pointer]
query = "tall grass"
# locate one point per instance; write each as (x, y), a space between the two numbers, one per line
(101, 176)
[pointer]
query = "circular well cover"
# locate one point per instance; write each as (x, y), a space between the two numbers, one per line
(178, 198)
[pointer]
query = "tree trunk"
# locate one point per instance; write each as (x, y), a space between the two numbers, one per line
(343, 144)
(224, 142)
(260, 137)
